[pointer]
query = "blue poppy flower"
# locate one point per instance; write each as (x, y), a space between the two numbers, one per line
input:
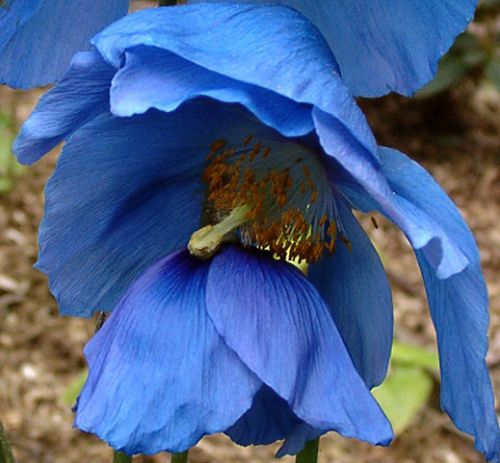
(257, 89)
(39, 37)
(383, 45)
(240, 343)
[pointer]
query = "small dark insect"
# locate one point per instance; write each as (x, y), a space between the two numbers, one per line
(374, 222)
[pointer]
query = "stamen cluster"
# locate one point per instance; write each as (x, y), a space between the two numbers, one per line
(287, 212)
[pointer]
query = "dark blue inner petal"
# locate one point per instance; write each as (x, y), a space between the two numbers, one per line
(269, 419)
(354, 284)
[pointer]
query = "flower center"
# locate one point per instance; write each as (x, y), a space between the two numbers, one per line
(277, 198)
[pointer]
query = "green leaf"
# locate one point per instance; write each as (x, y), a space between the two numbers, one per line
(119, 457)
(6, 455)
(5, 184)
(5, 121)
(75, 387)
(414, 356)
(9, 167)
(403, 394)
(492, 73)
(5, 153)
(451, 71)
(180, 457)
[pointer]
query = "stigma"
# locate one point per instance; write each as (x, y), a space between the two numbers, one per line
(275, 198)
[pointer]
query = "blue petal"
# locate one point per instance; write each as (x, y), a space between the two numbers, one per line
(268, 420)
(125, 192)
(413, 183)
(361, 178)
(274, 319)
(459, 308)
(160, 375)
(296, 442)
(82, 94)
(39, 37)
(382, 45)
(354, 284)
(135, 90)
(275, 48)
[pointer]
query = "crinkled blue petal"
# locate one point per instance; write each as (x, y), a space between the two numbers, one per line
(278, 324)
(459, 308)
(155, 78)
(383, 45)
(275, 48)
(82, 94)
(125, 192)
(354, 285)
(161, 376)
(39, 37)
(361, 178)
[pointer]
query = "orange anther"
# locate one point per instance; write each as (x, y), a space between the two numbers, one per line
(247, 140)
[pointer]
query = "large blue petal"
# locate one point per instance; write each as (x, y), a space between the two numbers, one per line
(363, 181)
(147, 69)
(459, 308)
(383, 45)
(160, 375)
(354, 284)
(125, 192)
(275, 48)
(277, 323)
(39, 37)
(82, 94)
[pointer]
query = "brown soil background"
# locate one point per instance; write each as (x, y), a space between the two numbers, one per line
(455, 136)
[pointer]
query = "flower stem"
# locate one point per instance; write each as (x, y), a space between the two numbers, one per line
(309, 454)
(120, 457)
(180, 457)
(6, 455)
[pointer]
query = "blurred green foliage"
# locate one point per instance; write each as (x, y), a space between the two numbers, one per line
(476, 53)
(74, 388)
(409, 384)
(6, 455)
(403, 394)
(10, 169)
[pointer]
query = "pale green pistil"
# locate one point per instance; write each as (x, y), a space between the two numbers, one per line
(205, 242)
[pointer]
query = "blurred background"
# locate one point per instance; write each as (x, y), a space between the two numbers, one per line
(452, 127)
